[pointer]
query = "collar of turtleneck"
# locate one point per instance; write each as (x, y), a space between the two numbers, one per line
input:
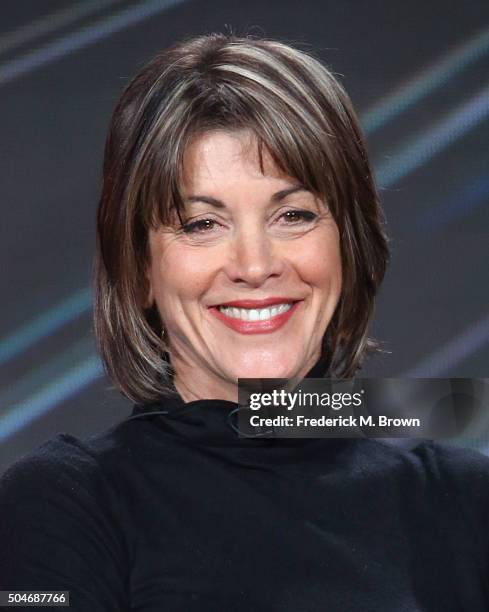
(213, 422)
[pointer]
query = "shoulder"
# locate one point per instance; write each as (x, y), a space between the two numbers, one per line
(68, 461)
(60, 483)
(94, 466)
(68, 479)
(461, 469)
(439, 475)
(62, 522)
(449, 461)
(62, 462)
(435, 459)
(431, 464)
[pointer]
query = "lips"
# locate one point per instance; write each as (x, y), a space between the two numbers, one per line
(255, 327)
(257, 303)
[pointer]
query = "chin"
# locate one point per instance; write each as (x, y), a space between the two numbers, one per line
(272, 370)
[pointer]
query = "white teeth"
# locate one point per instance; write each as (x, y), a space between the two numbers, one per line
(253, 314)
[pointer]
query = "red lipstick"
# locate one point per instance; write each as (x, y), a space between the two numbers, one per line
(257, 303)
(255, 327)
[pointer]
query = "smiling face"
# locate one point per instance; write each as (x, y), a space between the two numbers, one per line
(248, 235)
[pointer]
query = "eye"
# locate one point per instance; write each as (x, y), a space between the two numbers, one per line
(295, 216)
(198, 227)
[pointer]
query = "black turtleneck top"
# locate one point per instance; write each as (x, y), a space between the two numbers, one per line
(174, 512)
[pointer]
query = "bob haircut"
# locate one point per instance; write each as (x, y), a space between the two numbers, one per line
(303, 117)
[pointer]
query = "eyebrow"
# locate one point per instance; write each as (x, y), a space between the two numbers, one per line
(276, 197)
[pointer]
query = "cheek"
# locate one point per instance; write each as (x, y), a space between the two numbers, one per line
(320, 261)
(179, 274)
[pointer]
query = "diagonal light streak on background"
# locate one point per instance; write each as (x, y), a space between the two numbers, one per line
(454, 351)
(82, 38)
(50, 321)
(49, 396)
(89, 369)
(16, 390)
(47, 24)
(426, 81)
(435, 139)
(79, 302)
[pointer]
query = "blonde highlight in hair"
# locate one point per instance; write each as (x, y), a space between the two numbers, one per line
(300, 114)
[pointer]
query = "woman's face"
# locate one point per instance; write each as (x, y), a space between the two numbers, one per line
(250, 236)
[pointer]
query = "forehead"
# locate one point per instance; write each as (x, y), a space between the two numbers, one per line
(220, 155)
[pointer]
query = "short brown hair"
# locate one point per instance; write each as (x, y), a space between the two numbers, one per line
(302, 116)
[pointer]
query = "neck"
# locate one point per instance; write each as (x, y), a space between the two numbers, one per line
(190, 394)
(192, 385)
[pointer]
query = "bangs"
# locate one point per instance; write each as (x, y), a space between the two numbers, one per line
(278, 127)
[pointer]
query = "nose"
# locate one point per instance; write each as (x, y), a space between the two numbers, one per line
(253, 258)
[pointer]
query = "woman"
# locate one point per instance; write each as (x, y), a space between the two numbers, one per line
(239, 235)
